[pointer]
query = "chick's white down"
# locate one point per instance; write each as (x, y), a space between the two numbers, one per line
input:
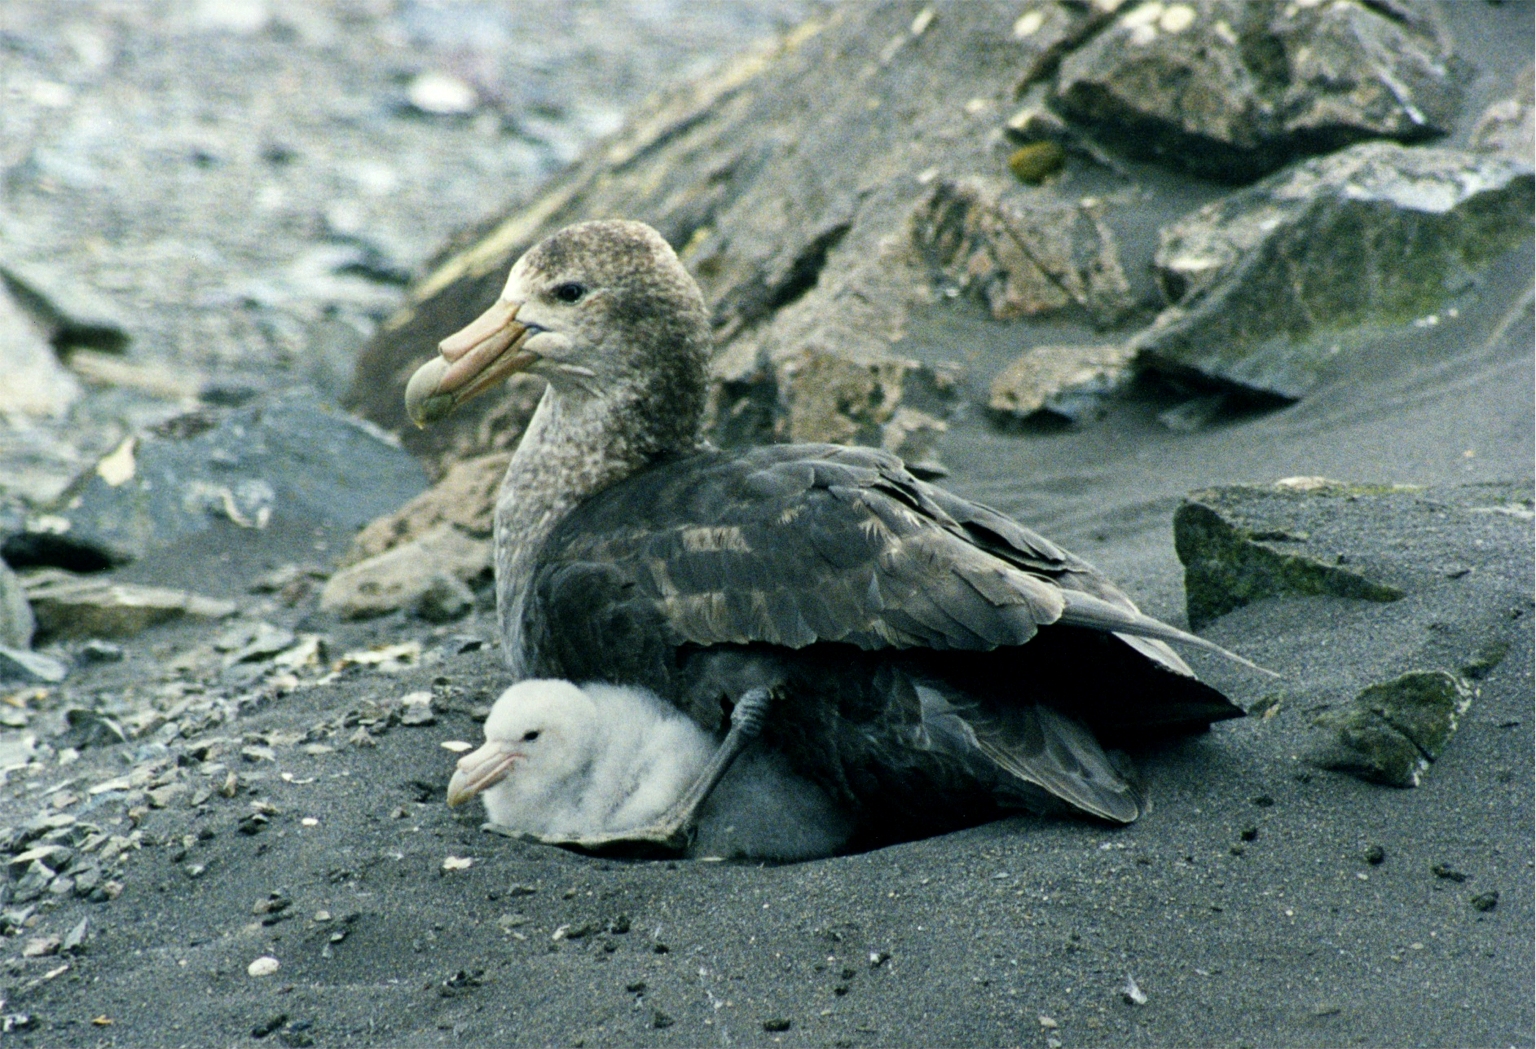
(568, 761)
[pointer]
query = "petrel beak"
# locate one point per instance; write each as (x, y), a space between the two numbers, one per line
(470, 362)
(480, 769)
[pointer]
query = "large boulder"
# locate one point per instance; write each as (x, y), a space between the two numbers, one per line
(290, 461)
(1269, 285)
(1236, 88)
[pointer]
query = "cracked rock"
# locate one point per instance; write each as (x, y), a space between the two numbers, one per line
(1266, 287)
(1394, 730)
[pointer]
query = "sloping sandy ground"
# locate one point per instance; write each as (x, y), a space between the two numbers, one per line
(1243, 907)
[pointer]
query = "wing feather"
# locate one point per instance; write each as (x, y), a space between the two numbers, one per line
(790, 545)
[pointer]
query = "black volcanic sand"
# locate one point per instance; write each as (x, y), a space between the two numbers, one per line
(1243, 905)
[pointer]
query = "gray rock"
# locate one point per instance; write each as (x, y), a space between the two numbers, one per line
(69, 313)
(1269, 285)
(68, 605)
(1239, 545)
(1310, 536)
(403, 576)
(445, 599)
(16, 620)
(1234, 89)
(20, 665)
(254, 643)
(1021, 252)
(1394, 730)
(1509, 126)
(1070, 383)
(36, 384)
(290, 461)
(89, 728)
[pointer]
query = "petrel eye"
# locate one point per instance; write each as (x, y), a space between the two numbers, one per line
(529, 737)
(569, 292)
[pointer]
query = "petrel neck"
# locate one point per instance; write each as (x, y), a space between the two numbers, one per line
(573, 448)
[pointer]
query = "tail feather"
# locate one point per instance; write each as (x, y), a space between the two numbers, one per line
(1082, 609)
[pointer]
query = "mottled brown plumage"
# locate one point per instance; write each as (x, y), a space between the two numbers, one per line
(931, 661)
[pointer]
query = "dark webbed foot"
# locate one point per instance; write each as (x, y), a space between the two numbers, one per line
(672, 832)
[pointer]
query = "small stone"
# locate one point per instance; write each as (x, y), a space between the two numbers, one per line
(1133, 994)
(660, 1020)
(40, 947)
(778, 1023)
(442, 94)
(1375, 855)
(96, 651)
(1035, 162)
(269, 1025)
(30, 667)
(416, 709)
(275, 903)
(253, 824)
(1485, 901)
(1048, 1023)
(1449, 873)
(1248, 833)
(458, 863)
(74, 940)
(266, 965)
(1264, 801)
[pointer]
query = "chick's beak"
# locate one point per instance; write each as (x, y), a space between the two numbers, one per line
(470, 362)
(479, 770)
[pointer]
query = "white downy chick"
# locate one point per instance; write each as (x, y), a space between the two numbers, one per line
(567, 761)
(564, 761)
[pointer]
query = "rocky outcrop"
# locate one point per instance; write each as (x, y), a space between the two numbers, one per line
(872, 262)
(1065, 383)
(290, 461)
(72, 606)
(427, 574)
(1234, 89)
(1269, 285)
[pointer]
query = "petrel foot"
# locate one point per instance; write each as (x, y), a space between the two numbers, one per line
(672, 832)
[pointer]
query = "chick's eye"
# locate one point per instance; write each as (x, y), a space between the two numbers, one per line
(529, 737)
(569, 292)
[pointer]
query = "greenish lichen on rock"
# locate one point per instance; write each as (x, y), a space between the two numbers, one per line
(1393, 730)
(1233, 556)
(1269, 285)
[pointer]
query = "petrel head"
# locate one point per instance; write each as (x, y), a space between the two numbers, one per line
(599, 309)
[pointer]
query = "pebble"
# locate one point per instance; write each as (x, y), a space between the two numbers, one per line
(30, 667)
(1375, 855)
(778, 1023)
(1449, 873)
(442, 94)
(1485, 901)
(1132, 993)
(266, 965)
